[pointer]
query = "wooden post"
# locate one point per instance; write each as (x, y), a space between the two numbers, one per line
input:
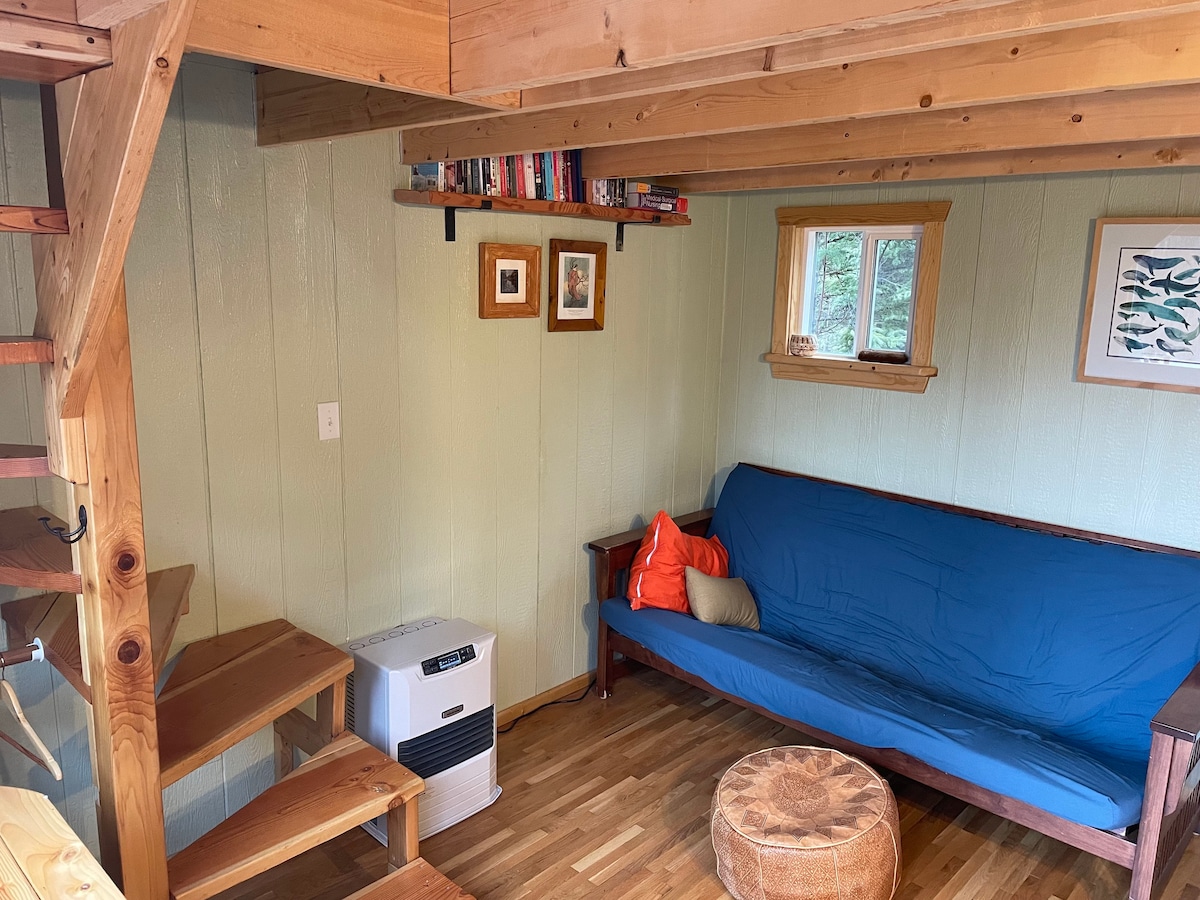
(115, 622)
(402, 829)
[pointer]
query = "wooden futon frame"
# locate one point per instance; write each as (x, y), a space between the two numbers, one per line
(1171, 807)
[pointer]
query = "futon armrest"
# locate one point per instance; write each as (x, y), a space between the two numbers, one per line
(1180, 715)
(616, 552)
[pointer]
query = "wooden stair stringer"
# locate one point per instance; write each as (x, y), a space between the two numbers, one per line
(32, 557)
(225, 688)
(348, 783)
(55, 619)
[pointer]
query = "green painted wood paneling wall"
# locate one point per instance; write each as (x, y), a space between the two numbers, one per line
(476, 458)
(1004, 426)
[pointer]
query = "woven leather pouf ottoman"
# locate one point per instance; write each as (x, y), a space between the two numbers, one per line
(805, 823)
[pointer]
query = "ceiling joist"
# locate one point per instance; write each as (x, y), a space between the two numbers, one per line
(1152, 53)
(950, 29)
(526, 43)
(1038, 161)
(1152, 114)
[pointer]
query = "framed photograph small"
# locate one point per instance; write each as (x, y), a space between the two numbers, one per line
(510, 281)
(1141, 327)
(577, 285)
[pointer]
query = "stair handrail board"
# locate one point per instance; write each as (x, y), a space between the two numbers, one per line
(347, 784)
(221, 692)
(32, 557)
(23, 461)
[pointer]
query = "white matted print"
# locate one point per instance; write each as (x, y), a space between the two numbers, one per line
(1142, 324)
(511, 281)
(576, 279)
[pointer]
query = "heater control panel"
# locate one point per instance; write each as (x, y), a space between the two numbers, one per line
(447, 661)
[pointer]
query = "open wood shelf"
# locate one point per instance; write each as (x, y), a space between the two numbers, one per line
(416, 881)
(16, 350)
(541, 207)
(32, 557)
(347, 783)
(54, 619)
(225, 688)
(33, 219)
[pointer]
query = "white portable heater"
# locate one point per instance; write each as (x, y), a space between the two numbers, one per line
(426, 694)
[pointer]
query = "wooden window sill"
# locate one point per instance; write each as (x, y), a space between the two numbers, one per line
(852, 372)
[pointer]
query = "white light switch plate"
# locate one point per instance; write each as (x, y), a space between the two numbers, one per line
(329, 421)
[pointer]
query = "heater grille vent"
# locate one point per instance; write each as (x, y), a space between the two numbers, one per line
(442, 749)
(350, 703)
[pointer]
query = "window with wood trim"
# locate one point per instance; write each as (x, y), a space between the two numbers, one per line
(856, 292)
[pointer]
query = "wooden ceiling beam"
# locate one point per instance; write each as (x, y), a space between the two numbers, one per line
(1153, 53)
(399, 43)
(107, 13)
(526, 43)
(295, 107)
(1038, 161)
(1153, 114)
(51, 10)
(46, 51)
(951, 29)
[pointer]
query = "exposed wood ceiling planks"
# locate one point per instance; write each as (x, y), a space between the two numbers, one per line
(525, 43)
(1156, 52)
(1151, 114)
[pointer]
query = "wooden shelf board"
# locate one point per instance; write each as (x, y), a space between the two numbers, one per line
(541, 207)
(15, 350)
(346, 784)
(33, 219)
(225, 688)
(23, 461)
(32, 557)
(54, 618)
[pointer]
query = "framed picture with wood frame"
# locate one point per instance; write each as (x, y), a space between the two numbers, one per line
(577, 285)
(1141, 327)
(510, 281)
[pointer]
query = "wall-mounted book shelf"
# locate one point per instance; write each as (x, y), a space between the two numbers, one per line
(452, 202)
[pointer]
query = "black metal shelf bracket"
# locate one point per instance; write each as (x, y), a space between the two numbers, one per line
(451, 210)
(657, 220)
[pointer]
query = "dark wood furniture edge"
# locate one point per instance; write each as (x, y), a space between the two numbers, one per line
(1180, 715)
(1079, 534)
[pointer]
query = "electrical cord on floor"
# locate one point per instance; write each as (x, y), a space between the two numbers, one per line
(511, 725)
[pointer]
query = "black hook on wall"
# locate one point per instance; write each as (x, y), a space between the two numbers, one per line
(68, 537)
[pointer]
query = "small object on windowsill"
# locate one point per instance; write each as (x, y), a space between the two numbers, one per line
(884, 356)
(802, 345)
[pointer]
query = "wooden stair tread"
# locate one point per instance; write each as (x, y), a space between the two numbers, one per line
(23, 461)
(54, 618)
(33, 219)
(225, 688)
(14, 350)
(416, 881)
(346, 784)
(32, 557)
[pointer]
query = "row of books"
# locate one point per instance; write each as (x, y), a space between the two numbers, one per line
(553, 175)
(531, 176)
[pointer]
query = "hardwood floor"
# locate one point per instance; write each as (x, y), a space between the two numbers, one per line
(610, 799)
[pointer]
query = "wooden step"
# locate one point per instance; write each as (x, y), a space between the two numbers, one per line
(14, 350)
(23, 461)
(33, 219)
(348, 783)
(225, 688)
(416, 881)
(54, 618)
(32, 557)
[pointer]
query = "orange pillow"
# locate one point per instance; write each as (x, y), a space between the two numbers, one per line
(657, 577)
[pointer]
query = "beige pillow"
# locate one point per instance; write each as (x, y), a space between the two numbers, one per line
(720, 601)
